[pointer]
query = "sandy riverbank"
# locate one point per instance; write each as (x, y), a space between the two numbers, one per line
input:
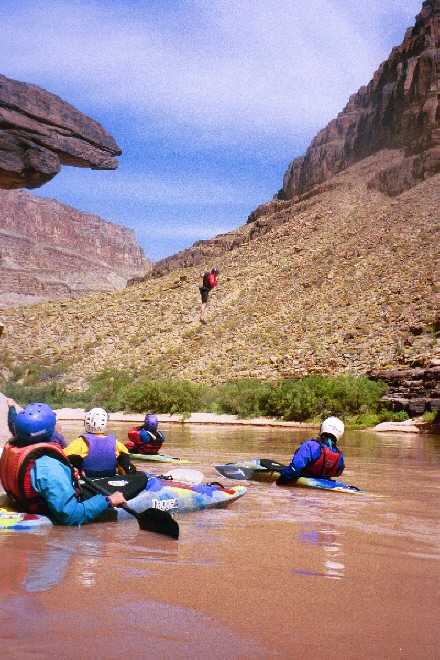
(73, 414)
(194, 418)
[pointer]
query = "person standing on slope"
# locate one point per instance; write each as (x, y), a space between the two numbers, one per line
(209, 282)
(318, 458)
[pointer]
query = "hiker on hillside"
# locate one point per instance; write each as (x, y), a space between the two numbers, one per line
(145, 439)
(97, 453)
(38, 477)
(208, 283)
(318, 458)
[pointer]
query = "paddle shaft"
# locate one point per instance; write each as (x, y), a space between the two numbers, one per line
(103, 491)
(150, 520)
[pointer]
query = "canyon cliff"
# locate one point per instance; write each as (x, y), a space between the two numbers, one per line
(398, 109)
(50, 251)
(397, 113)
(39, 132)
(339, 278)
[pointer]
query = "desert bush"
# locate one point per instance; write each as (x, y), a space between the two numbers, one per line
(319, 396)
(107, 389)
(163, 396)
(245, 398)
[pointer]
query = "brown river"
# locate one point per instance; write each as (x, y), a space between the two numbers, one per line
(281, 572)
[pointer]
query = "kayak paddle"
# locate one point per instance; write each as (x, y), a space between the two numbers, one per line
(187, 476)
(272, 466)
(231, 471)
(150, 520)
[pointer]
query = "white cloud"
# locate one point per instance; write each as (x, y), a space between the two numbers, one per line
(221, 71)
(186, 189)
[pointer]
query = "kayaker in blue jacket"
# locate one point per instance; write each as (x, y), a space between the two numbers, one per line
(318, 458)
(38, 477)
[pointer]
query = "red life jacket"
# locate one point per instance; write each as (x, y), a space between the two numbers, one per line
(16, 464)
(209, 281)
(140, 447)
(327, 464)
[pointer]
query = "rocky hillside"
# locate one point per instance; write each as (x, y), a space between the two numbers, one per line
(345, 283)
(338, 279)
(52, 251)
(39, 132)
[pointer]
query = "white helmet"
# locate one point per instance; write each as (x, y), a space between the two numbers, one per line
(96, 420)
(333, 426)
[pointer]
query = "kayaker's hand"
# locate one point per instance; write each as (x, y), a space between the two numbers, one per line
(11, 403)
(117, 498)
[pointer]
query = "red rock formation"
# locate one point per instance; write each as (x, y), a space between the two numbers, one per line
(398, 109)
(49, 250)
(39, 132)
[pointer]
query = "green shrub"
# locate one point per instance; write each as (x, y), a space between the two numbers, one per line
(369, 420)
(54, 394)
(163, 396)
(430, 416)
(107, 389)
(313, 397)
(318, 396)
(245, 398)
(294, 400)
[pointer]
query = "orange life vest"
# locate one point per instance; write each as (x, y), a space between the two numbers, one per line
(16, 464)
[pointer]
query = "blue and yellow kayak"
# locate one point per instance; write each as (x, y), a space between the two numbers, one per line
(253, 470)
(12, 520)
(159, 493)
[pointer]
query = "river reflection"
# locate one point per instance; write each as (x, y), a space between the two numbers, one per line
(280, 572)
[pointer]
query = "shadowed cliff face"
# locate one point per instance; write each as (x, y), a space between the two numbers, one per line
(39, 132)
(398, 109)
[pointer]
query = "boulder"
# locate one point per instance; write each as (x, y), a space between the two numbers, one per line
(39, 132)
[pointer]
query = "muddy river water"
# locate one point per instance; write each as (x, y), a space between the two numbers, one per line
(279, 573)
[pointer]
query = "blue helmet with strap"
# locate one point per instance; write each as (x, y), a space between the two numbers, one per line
(151, 423)
(35, 423)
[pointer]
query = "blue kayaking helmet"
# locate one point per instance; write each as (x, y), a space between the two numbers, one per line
(35, 423)
(151, 423)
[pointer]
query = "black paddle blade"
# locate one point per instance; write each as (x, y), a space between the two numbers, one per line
(234, 471)
(161, 522)
(272, 466)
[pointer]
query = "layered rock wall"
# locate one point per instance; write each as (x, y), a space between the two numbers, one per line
(412, 390)
(49, 250)
(398, 109)
(39, 132)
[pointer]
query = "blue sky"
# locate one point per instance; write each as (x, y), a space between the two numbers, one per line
(209, 100)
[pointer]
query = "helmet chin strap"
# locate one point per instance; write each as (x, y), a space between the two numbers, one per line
(330, 440)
